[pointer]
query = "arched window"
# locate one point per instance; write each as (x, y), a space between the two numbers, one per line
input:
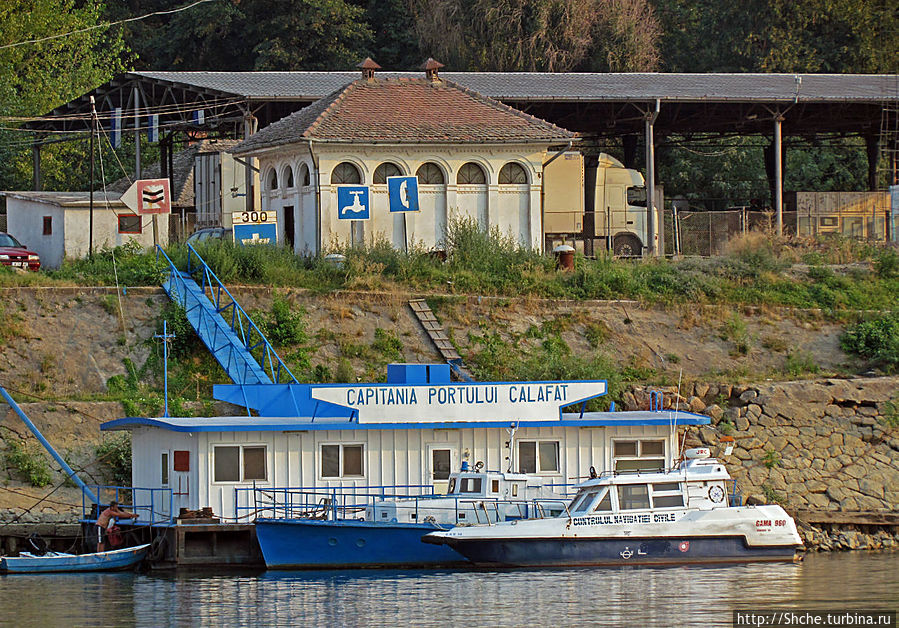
(288, 176)
(385, 170)
(471, 174)
(273, 180)
(304, 175)
(346, 173)
(430, 174)
(512, 174)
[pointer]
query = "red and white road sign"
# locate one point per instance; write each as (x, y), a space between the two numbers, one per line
(149, 196)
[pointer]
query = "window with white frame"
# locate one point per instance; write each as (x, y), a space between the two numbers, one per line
(342, 461)
(164, 469)
(239, 463)
(538, 456)
(638, 455)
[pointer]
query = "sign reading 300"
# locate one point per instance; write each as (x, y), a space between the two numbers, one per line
(253, 217)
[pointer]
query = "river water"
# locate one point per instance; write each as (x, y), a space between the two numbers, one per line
(641, 596)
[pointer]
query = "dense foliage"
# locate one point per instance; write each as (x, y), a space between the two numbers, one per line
(876, 340)
(840, 36)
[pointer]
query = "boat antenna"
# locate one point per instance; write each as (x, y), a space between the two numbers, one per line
(511, 445)
(673, 422)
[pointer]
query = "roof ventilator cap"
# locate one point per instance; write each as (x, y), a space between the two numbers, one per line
(368, 67)
(431, 67)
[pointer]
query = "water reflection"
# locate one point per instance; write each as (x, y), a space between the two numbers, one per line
(626, 596)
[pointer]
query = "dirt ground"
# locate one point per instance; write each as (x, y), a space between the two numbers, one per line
(66, 343)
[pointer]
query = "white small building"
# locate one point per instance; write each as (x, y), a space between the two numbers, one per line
(475, 158)
(57, 225)
(409, 432)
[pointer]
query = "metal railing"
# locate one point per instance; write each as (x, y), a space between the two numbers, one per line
(152, 505)
(348, 503)
(227, 307)
(289, 501)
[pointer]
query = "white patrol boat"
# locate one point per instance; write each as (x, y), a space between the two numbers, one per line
(679, 516)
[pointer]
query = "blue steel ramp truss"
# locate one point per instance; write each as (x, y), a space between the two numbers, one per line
(226, 329)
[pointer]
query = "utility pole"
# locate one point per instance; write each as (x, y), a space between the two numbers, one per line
(166, 337)
(90, 242)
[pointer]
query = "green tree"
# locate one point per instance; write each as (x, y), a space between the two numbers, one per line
(245, 35)
(37, 76)
(625, 38)
(779, 35)
(506, 35)
(306, 34)
(394, 44)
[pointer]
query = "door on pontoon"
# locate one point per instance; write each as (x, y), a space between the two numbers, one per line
(441, 462)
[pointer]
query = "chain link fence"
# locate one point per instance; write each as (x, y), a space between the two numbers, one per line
(706, 233)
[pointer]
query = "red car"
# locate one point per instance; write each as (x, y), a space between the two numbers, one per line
(14, 254)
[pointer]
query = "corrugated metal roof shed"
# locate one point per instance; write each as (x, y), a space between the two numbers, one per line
(539, 86)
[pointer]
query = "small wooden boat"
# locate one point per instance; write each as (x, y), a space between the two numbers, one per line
(59, 562)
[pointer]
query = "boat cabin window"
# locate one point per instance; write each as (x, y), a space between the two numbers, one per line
(165, 469)
(605, 504)
(341, 461)
(452, 486)
(583, 502)
(633, 496)
(639, 455)
(469, 485)
(494, 486)
(239, 463)
(667, 495)
(538, 456)
(515, 490)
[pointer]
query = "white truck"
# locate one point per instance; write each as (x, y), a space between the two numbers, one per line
(604, 205)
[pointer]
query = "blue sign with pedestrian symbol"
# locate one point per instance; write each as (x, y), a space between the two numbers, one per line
(256, 234)
(403, 194)
(353, 202)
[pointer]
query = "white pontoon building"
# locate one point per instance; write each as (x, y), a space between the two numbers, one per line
(411, 431)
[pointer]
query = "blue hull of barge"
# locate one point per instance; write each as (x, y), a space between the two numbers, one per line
(585, 552)
(315, 544)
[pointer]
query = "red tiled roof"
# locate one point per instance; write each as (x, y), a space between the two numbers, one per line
(406, 111)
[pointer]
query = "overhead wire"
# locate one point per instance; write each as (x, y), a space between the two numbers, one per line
(104, 25)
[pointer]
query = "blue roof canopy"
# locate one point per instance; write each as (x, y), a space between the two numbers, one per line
(288, 424)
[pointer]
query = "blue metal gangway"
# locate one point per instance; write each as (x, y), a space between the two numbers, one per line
(224, 327)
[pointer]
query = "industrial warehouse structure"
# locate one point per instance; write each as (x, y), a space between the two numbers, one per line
(633, 107)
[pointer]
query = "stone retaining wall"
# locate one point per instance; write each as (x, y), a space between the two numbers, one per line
(819, 445)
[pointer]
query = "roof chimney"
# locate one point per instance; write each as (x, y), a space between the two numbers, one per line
(430, 67)
(368, 68)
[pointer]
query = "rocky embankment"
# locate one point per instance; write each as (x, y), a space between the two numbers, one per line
(820, 448)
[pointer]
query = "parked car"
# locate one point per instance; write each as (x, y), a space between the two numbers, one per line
(209, 233)
(14, 254)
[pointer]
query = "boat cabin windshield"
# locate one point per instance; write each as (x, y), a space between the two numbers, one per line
(465, 485)
(628, 497)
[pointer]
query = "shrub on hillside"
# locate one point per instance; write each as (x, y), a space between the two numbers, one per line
(876, 340)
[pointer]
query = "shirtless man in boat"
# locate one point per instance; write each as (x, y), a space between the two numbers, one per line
(105, 520)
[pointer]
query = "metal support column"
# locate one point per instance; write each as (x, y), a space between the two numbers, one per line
(137, 169)
(651, 235)
(778, 174)
(252, 172)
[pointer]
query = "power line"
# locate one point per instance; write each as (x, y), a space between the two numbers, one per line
(105, 25)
